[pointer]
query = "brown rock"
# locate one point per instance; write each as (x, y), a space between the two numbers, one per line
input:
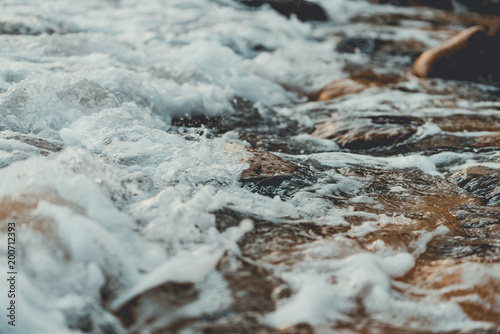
(481, 181)
(340, 88)
(472, 55)
(253, 288)
(263, 164)
(467, 122)
(488, 141)
(164, 298)
(355, 84)
(366, 133)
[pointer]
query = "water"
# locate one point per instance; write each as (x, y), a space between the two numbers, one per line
(124, 162)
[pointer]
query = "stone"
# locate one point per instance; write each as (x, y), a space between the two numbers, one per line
(439, 4)
(341, 88)
(467, 122)
(305, 10)
(471, 55)
(270, 175)
(355, 84)
(148, 306)
(369, 132)
(262, 164)
(492, 141)
(484, 182)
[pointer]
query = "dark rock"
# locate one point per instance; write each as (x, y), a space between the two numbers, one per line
(440, 4)
(21, 28)
(305, 10)
(369, 132)
(481, 181)
(437, 143)
(381, 49)
(472, 55)
(270, 175)
(490, 7)
(357, 44)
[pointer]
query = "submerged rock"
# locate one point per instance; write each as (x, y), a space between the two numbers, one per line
(472, 55)
(305, 10)
(369, 132)
(481, 181)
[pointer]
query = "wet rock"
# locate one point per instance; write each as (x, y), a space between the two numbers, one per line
(488, 141)
(164, 298)
(272, 242)
(341, 88)
(356, 83)
(467, 122)
(448, 142)
(381, 49)
(440, 4)
(481, 181)
(472, 55)
(254, 288)
(301, 328)
(270, 175)
(305, 10)
(490, 7)
(369, 132)
(357, 44)
(410, 48)
(265, 165)
(238, 323)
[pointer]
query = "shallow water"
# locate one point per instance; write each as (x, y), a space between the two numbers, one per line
(140, 208)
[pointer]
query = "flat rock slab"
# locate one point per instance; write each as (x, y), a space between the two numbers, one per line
(355, 84)
(367, 133)
(467, 122)
(481, 181)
